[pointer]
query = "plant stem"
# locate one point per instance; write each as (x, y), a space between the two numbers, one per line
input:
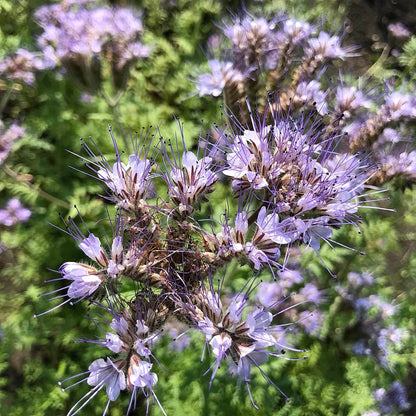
(40, 192)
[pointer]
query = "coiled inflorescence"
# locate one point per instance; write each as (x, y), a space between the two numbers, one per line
(291, 187)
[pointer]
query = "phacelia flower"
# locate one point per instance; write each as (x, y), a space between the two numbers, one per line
(129, 183)
(310, 92)
(134, 331)
(241, 335)
(189, 179)
(349, 99)
(223, 74)
(102, 373)
(392, 400)
(294, 166)
(21, 66)
(7, 138)
(398, 30)
(13, 213)
(86, 280)
(326, 46)
(79, 36)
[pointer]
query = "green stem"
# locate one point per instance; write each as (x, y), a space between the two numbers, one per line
(112, 103)
(5, 98)
(39, 192)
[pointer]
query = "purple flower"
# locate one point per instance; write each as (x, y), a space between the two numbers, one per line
(13, 213)
(398, 30)
(388, 136)
(288, 278)
(248, 159)
(403, 164)
(241, 335)
(269, 235)
(85, 279)
(21, 66)
(106, 373)
(7, 138)
(311, 321)
(248, 31)
(392, 400)
(296, 30)
(179, 338)
(88, 279)
(102, 373)
(349, 99)
(140, 374)
(399, 105)
(91, 246)
(308, 186)
(79, 36)
(129, 183)
(134, 335)
(359, 280)
(311, 293)
(252, 39)
(268, 294)
(135, 328)
(389, 336)
(222, 74)
(326, 46)
(188, 182)
(311, 92)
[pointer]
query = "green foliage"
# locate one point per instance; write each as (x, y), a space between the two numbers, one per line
(408, 58)
(36, 353)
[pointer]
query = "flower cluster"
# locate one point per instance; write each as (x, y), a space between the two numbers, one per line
(390, 401)
(372, 332)
(269, 295)
(293, 188)
(134, 330)
(293, 167)
(242, 339)
(260, 45)
(21, 66)
(292, 56)
(81, 37)
(13, 213)
(7, 138)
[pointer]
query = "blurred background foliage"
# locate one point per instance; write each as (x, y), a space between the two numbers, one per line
(36, 353)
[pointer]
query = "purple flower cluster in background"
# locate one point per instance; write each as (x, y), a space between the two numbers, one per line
(289, 282)
(13, 213)
(293, 57)
(81, 36)
(389, 401)
(376, 337)
(7, 138)
(21, 66)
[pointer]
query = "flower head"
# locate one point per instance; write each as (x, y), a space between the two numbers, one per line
(190, 179)
(239, 334)
(293, 166)
(326, 46)
(13, 213)
(7, 138)
(79, 36)
(223, 74)
(128, 182)
(21, 66)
